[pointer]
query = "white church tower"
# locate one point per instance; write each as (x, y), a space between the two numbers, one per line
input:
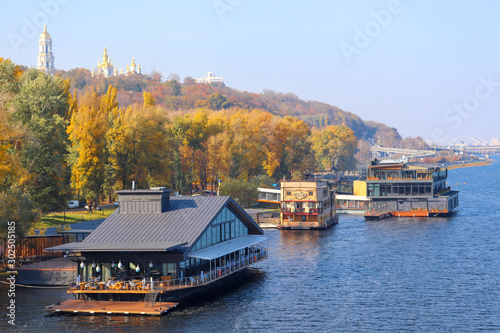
(45, 56)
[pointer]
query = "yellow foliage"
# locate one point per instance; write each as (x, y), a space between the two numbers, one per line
(149, 100)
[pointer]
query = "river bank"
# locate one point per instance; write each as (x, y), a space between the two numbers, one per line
(471, 164)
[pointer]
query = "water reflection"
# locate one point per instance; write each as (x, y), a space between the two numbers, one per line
(411, 275)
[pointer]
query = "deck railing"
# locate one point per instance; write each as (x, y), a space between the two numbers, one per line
(303, 210)
(151, 285)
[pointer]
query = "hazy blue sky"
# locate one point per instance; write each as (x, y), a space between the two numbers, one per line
(428, 68)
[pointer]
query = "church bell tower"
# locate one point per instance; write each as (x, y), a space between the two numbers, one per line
(45, 56)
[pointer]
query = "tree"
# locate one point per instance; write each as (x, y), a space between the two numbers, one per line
(334, 147)
(149, 100)
(10, 136)
(10, 75)
(87, 132)
(218, 101)
(262, 181)
(298, 155)
(41, 107)
(155, 76)
(174, 87)
(18, 213)
(194, 131)
(244, 193)
(179, 181)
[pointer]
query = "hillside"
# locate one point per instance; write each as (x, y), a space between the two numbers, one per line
(173, 94)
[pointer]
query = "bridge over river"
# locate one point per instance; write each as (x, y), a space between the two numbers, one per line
(480, 150)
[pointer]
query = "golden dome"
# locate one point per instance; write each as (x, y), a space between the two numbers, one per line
(45, 34)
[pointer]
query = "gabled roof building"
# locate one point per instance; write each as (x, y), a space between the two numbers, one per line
(187, 241)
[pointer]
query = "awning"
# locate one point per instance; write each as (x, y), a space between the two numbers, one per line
(351, 197)
(116, 247)
(221, 249)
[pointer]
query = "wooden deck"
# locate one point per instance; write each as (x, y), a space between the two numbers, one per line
(375, 215)
(111, 307)
(420, 213)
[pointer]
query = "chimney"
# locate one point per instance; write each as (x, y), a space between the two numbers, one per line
(154, 200)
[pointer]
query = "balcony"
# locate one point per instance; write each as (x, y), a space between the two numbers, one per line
(310, 211)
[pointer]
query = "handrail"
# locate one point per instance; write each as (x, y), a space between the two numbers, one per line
(187, 282)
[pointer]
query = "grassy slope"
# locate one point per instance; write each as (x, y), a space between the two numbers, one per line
(59, 218)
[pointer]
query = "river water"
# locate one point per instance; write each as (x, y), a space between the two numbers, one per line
(395, 275)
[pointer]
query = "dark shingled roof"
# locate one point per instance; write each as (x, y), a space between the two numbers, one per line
(182, 224)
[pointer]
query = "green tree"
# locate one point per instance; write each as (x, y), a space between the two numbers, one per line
(244, 193)
(41, 107)
(18, 208)
(218, 101)
(262, 181)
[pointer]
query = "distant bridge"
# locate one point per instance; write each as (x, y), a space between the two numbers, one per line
(456, 141)
(482, 150)
(401, 151)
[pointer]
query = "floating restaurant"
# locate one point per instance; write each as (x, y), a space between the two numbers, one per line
(307, 205)
(410, 189)
(155, 247)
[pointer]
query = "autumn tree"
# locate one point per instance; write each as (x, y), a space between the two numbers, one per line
(298, 155)
(334, 147)
(149, 100)
(10, 76)
(193, 131)
(10, 139)
(87, 132)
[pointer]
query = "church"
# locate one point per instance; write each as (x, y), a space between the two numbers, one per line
(45, 57)
(105, 67)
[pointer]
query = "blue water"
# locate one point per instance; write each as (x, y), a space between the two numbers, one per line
(394, 275)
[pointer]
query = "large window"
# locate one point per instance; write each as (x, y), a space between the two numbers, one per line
(225, 226)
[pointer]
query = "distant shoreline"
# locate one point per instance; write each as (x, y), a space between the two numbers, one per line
(472, 164)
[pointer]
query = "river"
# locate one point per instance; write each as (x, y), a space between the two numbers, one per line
(394, 275)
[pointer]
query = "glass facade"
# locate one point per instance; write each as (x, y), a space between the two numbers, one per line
(224, 227)
(399, 189)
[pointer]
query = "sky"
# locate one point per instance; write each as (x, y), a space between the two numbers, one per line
(428, 68)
